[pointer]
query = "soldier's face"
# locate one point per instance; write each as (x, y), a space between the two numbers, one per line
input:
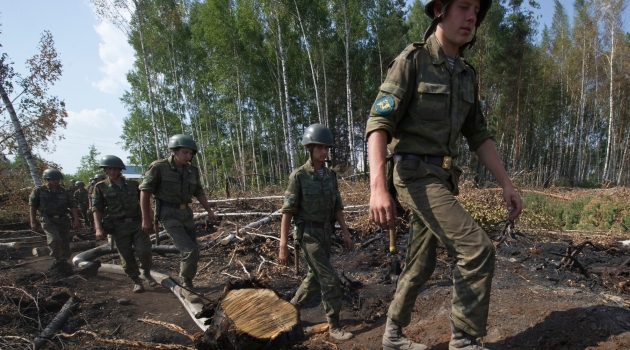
(53, 183)
(183, 155)
(113, 173)
(320, 152)
(458, 21)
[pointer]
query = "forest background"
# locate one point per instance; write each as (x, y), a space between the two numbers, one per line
(245, 78)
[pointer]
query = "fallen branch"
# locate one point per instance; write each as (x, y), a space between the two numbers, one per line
(10, 245)
(233, 236)
(248, 275)
(56, 323)
(174, 328)
(74, 247)
(371, 240)
(129, 343)
(227, 274)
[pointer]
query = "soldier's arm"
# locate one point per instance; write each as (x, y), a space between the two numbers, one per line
(382, 205)
(285, 228)
(489, 157)
(35, 226)
(347, 239)
(204, 203)
(147, 213)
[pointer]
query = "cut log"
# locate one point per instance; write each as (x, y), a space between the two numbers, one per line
(10, 245)
(74, 247)
(253, 318)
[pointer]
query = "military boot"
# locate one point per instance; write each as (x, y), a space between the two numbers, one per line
(137, 285)
(394, 339)
(335, 330)
(461, 340)
(147, 276)
(188, 291)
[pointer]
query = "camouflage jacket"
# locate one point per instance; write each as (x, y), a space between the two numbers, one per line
(424, 104)
(81, 196)
(310, 197)
(117, 202)
(167, 184)
(49, 203)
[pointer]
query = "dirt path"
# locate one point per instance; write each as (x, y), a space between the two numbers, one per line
(534, 305)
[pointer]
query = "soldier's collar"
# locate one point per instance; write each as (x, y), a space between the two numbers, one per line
(311, 169)
(171, 162)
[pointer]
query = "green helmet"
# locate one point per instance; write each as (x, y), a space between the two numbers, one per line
(318, 134)
(80, 184)
(181, 140)
(53, 174)
(484, 6)
(100, 176)
(111, 161)
(73, 180)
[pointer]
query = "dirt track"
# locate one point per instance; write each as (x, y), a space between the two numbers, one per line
(534, 304)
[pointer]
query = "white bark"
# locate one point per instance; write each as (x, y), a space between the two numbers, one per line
(285, 79)
(19, 133)
(310, 61)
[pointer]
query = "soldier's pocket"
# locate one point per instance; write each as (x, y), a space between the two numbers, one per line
(432, 100)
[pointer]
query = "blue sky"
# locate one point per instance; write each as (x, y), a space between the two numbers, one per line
(95, 58)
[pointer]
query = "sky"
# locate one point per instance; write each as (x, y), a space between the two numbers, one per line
(95, 57)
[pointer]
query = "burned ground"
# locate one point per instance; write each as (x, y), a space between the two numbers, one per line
(537, 301)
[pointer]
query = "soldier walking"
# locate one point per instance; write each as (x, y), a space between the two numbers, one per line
(312, 200)
(173, 182)
(119, 198)
(82, 197)
(429, 97)
(53, 202)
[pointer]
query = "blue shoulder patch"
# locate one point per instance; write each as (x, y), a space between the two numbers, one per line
(384, 105)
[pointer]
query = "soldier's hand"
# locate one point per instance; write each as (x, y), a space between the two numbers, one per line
(100, 233)
(147, 226)
(76, 224)
(213, 217)
(348, 242)
(382, 209)
(35, 226)
(513, 202)
(284, 256)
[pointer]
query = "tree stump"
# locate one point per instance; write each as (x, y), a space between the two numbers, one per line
(251, 316)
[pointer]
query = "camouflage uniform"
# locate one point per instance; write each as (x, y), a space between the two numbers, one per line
(174, 189)
(313, 201)
(82, 198)
(53, 207)
(424, 105)
(124, 221)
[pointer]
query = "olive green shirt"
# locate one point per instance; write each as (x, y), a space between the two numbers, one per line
(81, 196)
(50, 203)
(121, 202)
(424, 105)
(311, 197)
(167, 184)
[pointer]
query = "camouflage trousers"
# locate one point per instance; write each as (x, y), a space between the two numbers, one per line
(439, 216)
(179, 225)
(321, 276)
(83, 213)
(57, 236)
(132, 242)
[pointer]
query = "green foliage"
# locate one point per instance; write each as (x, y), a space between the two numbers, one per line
(88, 166)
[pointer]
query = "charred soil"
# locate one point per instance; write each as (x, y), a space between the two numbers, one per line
(549, 290)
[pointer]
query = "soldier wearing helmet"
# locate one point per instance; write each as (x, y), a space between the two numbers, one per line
(429, 97)
(174, 182)
(312, 200)
(81, 195)
(53, 202)
(119, 199)
(93, 181)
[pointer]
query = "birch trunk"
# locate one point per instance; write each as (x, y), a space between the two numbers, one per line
(19, 133)
(285, 79)
(346, 43)
(310, 61)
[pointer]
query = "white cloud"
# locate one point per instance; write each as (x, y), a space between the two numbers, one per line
(116, 55)
(88, 127)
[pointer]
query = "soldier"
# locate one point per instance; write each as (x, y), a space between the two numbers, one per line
(428, 98)
(313, 201)
(173, 182)
(93, 181)
(81, 195)
(53, 203)
(121, 198)
(73, 186)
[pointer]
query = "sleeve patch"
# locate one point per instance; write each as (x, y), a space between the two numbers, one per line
(384, 105)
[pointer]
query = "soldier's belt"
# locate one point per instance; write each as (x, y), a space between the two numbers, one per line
(443, 162)
(165, 204)
(127, 220)
(314, 224)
